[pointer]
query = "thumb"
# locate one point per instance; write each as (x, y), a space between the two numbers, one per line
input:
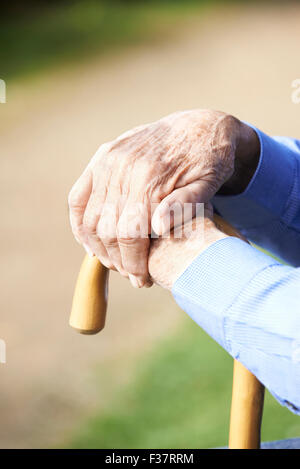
(172, 212)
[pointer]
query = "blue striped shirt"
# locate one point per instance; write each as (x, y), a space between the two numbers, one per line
(247, 301)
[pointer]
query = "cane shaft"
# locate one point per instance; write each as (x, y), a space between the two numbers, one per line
(247, 392)
(246, 409)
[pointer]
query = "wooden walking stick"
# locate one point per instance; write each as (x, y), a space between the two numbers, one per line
(88, 317)
(246, 409)
(247, 392)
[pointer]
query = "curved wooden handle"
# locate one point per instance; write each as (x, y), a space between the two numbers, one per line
(90, 297)
(88, 317)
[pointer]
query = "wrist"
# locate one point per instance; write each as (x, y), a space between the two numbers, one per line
(246, 161)
(168, 259)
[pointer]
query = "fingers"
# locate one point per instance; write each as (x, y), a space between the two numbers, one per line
(134, 253)
(133, 241)
(119, 234)
(90, 223)
(78, 199)
(107, 233)
(96, 222)
(180, 206)
(125, 240)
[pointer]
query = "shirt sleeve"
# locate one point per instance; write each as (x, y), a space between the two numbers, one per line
(249, 303)
(268, 211)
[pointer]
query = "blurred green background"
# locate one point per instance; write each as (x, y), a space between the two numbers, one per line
(77, 73)
(180, 398)
(38, 35)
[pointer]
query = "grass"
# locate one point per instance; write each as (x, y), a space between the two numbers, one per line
(43, 36)
(179, 399)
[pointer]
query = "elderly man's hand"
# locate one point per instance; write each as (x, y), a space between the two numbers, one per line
(169, 257)
(185, 157)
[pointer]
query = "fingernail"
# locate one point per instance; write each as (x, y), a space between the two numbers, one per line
(134, 281)
(88, 250)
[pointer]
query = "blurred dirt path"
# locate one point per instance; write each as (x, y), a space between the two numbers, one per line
(242, 60)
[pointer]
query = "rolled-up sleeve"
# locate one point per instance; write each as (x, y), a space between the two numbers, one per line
(249, 303)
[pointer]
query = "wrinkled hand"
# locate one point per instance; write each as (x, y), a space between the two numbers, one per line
(169, 257)
(184, 157)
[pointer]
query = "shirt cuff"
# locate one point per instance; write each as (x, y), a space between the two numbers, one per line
(213, 281)
(268, 192)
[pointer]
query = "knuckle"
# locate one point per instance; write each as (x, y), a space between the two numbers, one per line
(101, 153)
(126, 240)
(110, 242)
(133, 225)
(73, 199)
(90, 229)
(90, 225)
(109, 239)
(106, 233)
